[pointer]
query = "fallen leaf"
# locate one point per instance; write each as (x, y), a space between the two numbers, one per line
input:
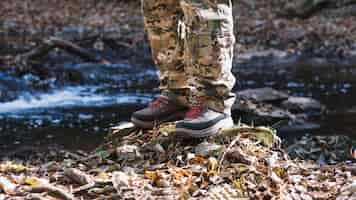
(198, 160)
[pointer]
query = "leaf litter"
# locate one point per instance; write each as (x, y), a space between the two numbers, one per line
(243, 162)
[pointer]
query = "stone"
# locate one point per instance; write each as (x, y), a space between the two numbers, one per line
(269, 106)
(262, 95)
(260, 112)
(303, 105)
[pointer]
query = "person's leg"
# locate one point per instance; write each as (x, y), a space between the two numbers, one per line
(209, 51)
(161, 18)
(209, 42)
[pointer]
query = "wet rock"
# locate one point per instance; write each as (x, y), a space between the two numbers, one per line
(263, 95)
(260, 112)
(303, 105)
(269, 106)
(261, 104)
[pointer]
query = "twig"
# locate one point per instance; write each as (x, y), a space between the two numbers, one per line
(84, 187)
(75, 49)
(66, 45)
(221, 160)
(51, 190)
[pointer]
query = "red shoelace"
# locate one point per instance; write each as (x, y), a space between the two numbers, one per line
(158, 102)
(195, 112)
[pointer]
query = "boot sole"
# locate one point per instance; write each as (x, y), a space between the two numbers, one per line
(211, 131)
(151, 124)
(142, 124)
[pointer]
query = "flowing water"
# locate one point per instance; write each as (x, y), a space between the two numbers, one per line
(78, 115)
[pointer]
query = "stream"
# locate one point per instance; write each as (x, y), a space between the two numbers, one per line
(77, 115)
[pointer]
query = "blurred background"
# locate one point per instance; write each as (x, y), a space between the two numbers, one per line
(71, 69)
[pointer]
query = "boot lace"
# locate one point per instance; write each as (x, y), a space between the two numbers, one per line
(159, 102)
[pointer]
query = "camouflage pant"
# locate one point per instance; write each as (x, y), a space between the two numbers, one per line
(192, 45)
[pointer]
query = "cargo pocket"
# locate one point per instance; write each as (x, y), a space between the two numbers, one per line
(211, 41)
(215, 20)
(211, 55)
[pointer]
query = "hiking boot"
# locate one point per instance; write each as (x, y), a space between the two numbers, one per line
(201, 122)
(160, 111)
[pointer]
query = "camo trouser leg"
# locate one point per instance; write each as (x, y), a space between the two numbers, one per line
(194, 52)
(161, 18)
(209, 42)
